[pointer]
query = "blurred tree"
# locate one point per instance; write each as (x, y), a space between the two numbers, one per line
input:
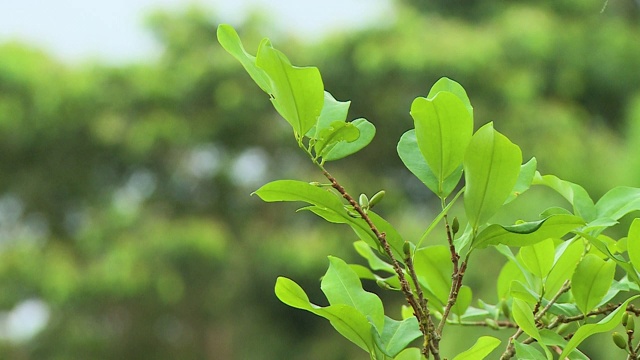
(124, 202)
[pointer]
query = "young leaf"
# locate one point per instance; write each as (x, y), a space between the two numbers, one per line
(443, 131)
(527, 351)
(491, 168)
(230, 41)
(413, 160)
(633, 243)
(525, 178)
(396, 335)
(375, 263)
(409, 354)
(622, 262)
(448, 85)
(343, 148)
(591, 281)
(433, 267)
(465, 296)
(330, 136)
(332, 110)
(348, 321)
(618, 202)
(576, 195)
(563, 268)
(483, 347)
(604, 325)
(538, 258)
(341, 285)
(297, 92)
(523, 315)
(509, 272)
(529, 233)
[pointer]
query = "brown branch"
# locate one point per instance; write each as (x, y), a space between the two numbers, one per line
(419, 312)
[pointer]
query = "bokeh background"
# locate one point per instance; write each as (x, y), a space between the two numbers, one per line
(127, 229)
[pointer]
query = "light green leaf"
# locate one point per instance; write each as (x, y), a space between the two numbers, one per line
(633, 243)
(518, 290)
(343, 149)
(396, 335)
(509, 272)
(465, 297)
(413, 160)
(409, 354)
(348, 321)
(448, 85)
(563, 268)
(538, 258)
(618, 202)
(433, 267)
(332, 110)
(443, 131)
(297, 93)
(576, 195)
(603, 248)
(483, 347)
(394, 239)
(375, 263)
(606, 324)
(591, 281)
(527, 351)
(230, 41)
(529, 233)
(523, 315)
(491, 168)
(525, 178)
(341, 285)
(330, 136)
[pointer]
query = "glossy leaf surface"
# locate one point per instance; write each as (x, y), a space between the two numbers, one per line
(483, 347)
(575, 194)
(591, 281)
(633, 244)
(433, 267)
(343, 149)
(606, 324)
(297, 93)
(443, 130)
(491, 168)
(618, 202)
(396, 335)
(538, 258)
(529, 233)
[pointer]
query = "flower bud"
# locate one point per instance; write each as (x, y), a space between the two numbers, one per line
(376, 198)
(619, 340)
(625, 318)
(630, 326)
(406, 248)
(492, 323)
(364, 202)
(455, 226)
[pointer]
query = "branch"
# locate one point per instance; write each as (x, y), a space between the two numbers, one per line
(419, 312)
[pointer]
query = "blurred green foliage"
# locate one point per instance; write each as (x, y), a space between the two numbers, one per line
(124, 200)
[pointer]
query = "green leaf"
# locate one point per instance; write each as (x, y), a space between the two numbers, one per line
(523, 315)
(576, 195)
(375, 263)
(491, 168)
(483, 347)
(525, 178)
(465, 297)
(518, 290)
(633, 244)
(603, 248)
(230, 41)
(332, 110)
(396, 335)
(433, 267)
(564, 267)
(341, 285)
(529, 233)
(591, 281)
(409, 354)
(348, 321)
(443, 131)
(509, 272)
(343, 149)
(394, 239)
(604, 325)
(448, 85)
(527, 351)
(538, 258)
(297, 93)
(618, 202)
(330, 136)
(413, 160)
